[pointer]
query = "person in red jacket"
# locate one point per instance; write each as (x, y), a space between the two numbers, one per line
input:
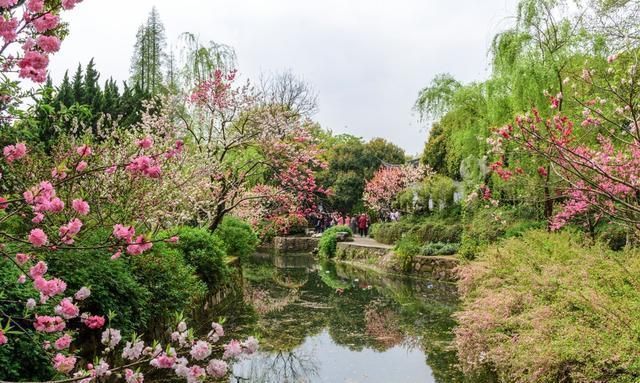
(362, 224)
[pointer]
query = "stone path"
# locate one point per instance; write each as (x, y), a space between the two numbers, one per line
(368, 242)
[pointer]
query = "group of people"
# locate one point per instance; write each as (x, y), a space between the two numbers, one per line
(357, 223)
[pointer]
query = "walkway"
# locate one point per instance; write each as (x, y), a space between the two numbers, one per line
(368, 242)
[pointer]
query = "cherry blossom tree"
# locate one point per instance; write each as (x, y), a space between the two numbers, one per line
(598, 158)
(381, 191)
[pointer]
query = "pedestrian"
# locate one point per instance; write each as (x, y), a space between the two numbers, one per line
(340, 219)
(354, 225)
(367, 224)
(362, 224)
(347, 221)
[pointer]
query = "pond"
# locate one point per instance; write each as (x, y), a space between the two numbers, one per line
(319, 321)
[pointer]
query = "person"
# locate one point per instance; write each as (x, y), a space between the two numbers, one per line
(354, 225)
(367, 224)
(340, 219)
(362, 224)
(347, 221)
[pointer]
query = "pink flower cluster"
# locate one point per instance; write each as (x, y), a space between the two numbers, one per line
(68, 232)
(145, 166)
(34, 66)
(64, 364)
(94, 322)
(46, 323)
(67, 309)
(14, 152)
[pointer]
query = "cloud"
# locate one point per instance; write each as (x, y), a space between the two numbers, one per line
(367, 59)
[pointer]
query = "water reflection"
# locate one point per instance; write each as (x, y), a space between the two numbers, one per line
(325, 322)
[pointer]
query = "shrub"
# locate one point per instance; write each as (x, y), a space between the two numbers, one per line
(329, 240)
(172, 282)
(239, 238)
(205, 252)
(390, 232)
(406, 248)
(434, 231)
(114, 286)
(439, 248)
(23, 358)
(614, 236)
(545, 307)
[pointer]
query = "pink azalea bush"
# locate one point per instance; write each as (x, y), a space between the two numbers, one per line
(380, 192)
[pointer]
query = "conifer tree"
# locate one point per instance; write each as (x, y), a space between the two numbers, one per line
(149, 55)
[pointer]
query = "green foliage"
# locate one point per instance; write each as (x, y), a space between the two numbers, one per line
(441, 190)
(405, 249)
(329, 240)
(351, 163)
(546, 307)
(114, 285)
(149, 55)
(205, 252)
(429, 230)
(239, 238)
(439, 248)
(173, 283)
(22, 357)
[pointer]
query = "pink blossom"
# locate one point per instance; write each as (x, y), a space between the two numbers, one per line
(3, 338)
(163, 361)
(173, 239)
(82, 165)
(250, 345)
(22, 279)
(49, 324)
(217, 368)
(22, 258)
(48, 44)
(46, 22)
(111, 169)
(82, 294)
(8, 29)
(133, 377)
(3, 203)
(7, 3)
(195, 374)
(145, 143)
(14, 152)
(116, 255)
(67, 309)
(69, 4)
(68, 231)
(38, 270)
(80, 206)
(49, 288)
(124, 233)
(39, 217)
(144, 165)
(140, 246)
(94, 322)
(63, 342)
(84, 150)
(31, 304)
(232, 349)
(34, 66)
(111, 337)
(132, 351)
(200, 350)
(64, 364)
(35, 6)
(56, 205)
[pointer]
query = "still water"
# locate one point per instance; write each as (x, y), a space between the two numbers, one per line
(327, 322)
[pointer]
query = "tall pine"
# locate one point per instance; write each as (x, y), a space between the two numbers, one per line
(149, 55)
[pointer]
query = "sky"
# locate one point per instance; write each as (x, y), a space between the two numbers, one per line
(366, 59)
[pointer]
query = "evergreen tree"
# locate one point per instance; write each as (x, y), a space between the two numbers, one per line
(149, 55)
(65, 93)
(78, 86)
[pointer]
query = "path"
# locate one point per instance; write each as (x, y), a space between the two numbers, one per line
(368, 242)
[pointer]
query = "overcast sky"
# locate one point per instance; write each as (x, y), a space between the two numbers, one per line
(367, 59)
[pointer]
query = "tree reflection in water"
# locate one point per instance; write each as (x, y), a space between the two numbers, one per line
(282, 366)
(322, 322)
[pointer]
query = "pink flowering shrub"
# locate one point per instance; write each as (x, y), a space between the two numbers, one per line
(531, 304)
